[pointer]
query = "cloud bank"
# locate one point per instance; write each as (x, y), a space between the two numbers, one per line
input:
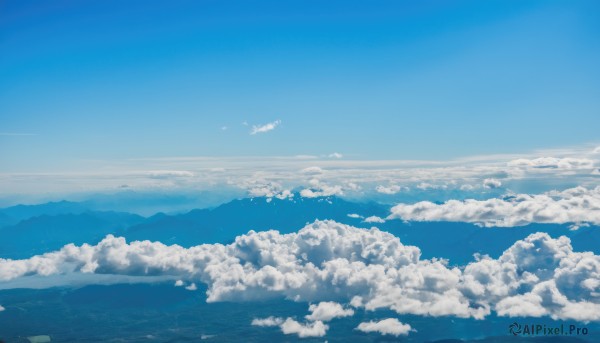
(574, 205)
(370, 269)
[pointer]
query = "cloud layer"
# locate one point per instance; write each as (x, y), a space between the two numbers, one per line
(371, 269)
(574, 205)
(390, 326)
(318, 175)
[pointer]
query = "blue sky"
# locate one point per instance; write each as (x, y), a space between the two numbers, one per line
(115, 80)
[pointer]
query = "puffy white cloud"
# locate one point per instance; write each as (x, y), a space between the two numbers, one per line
(320, 189)
(574, 205)
(491, 183)
(371, 269)
(191, 287)
(261, 188)
(179, 283)
(265, 128)
(313, 329)
(390, 326)
(328, 310)
(269, 321)
(392, 189)
(336, 155)
(2, 308)
(354, 215)
(553, 163)
(374, 219)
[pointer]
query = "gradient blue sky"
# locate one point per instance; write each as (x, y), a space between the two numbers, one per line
(113, 80)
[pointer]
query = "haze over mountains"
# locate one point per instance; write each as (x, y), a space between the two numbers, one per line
(28, 230)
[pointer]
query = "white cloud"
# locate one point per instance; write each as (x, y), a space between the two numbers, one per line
(265, 128)
(428, 186)
(553, 163)
(328, 310)
(574, 205)
(362, 177)
(491, 183)
(320, 189)
(179, 283)
(266, 322)
(312, 171)
(191, 287)
(314, 329)
(169, 173)
(392, 189)
(371, 269)
(390, 326)
(262, 188)
(467, 187)
(336, 155)
(2, 308)
(374, 219)
(355, 216)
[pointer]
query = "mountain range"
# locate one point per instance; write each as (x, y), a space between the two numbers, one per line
(27, 230)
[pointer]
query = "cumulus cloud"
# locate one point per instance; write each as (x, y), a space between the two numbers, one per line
(269, 321)
(374, 219)
(261, 188)
(574, 205)
(392, 189)
(328, 310)
(2, 308)
(320, 189)
(491, 183)
(314, 329)
(290, 326)
(336, 155)
(390, 326)
(354, 215)
(265, 128)
(553, 163)
(191, 287)
(371, 269)
(179, 283)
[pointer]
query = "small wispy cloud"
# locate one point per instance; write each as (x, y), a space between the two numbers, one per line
(265, 128)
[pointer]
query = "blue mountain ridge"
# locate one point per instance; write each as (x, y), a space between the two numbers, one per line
(454, 241)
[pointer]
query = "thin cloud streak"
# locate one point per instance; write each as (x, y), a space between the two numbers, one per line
(265, 128)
